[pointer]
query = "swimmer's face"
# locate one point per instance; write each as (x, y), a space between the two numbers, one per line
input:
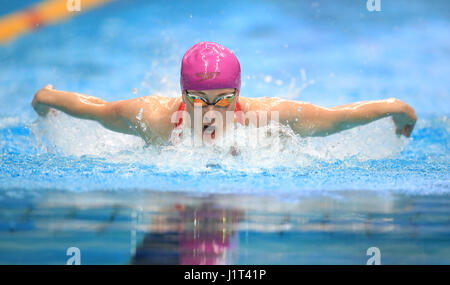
(193, 100)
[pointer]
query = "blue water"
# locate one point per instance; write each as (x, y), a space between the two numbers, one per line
(319, 200)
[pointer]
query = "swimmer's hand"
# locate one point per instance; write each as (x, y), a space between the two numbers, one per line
(405, 119)
(37, 102)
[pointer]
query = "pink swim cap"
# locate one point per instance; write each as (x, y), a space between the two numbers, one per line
(208, 65)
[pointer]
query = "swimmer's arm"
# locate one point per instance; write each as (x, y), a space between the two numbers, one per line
(360, 113)
(109, 114)
(75, 104)
(310, 120)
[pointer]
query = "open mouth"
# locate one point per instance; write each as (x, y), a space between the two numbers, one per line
(209, 131)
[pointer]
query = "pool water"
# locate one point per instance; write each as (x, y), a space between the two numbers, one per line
(67, 183)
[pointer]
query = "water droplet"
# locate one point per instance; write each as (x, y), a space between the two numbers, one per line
(139, 115)
(303, 73)
(144, 127)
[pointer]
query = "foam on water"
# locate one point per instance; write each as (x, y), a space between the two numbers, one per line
(9, 122)
(61, 152)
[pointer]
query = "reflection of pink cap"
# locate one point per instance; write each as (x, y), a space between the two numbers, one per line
(208, 65)
(204, 250)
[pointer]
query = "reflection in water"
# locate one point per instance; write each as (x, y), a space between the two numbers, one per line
(194, 235)
(146, 227)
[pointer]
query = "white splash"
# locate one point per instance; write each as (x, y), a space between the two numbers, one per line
(139, 115)
(9, 122)
(78, 138)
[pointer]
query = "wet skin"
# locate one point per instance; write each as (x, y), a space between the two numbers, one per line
(151, 117)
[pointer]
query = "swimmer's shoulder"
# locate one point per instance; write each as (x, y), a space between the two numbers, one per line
(160, 104)
(157, 113)
(262, 103)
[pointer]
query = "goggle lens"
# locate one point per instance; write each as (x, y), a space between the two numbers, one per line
(199, 102)
(224, 101)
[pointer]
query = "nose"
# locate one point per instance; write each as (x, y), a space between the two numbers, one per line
(209, 117)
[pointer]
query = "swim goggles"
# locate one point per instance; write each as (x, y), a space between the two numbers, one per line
(222, 101)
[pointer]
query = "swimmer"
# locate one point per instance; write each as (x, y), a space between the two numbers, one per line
(210, 81)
